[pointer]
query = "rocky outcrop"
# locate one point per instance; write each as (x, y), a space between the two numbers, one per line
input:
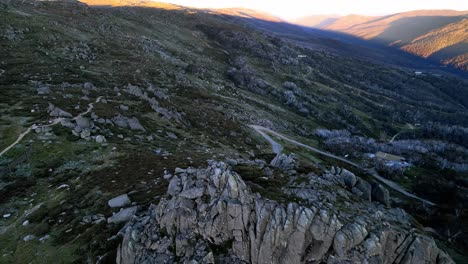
(360, 187)
(211, 215)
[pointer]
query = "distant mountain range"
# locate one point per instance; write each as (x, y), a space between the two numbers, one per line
(440, 35)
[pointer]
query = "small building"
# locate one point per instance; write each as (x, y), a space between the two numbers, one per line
(418, 73)
(301, 56)
(390, 157)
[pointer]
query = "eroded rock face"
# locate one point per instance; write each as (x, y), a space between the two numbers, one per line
(212, 210)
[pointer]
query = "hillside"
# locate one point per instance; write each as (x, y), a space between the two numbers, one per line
(444, 44)
(346, 22)
(316, 21)
(421, 32)
(137, 132)
(247, 13)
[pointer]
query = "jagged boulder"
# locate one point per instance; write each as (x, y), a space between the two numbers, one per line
(380, 194)
(134, 124)
(284, 162)
(348, 177)
(365, 188)
(124, 215)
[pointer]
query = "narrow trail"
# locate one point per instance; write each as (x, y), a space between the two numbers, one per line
(20, 137)
(54, 122)
(277, 147)
(395, 136)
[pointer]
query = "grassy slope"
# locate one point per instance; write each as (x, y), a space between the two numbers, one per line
(169, 49)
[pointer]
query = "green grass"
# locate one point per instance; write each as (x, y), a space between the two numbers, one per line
(9, 134)
(15, 250)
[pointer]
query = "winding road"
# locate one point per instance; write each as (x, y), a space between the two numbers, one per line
(277, 147)
(54, 122)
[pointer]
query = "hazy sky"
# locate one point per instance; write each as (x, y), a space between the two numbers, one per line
(298, 8)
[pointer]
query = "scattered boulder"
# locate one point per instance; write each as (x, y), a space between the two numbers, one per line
(63, 186)
(93, 219)
(85, 133)
(119, 201)
(100, 139)
(171, 135)
(89, 86)
(83, 122)
(134, 124)
(43, 90)
(44, 238)
(231, 162)
(29, 238)
(120, 121)
(348, 177)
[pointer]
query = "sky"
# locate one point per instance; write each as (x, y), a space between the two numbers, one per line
(289, 9)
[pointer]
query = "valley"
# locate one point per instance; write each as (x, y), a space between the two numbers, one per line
(439, 35)
(145, 132)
